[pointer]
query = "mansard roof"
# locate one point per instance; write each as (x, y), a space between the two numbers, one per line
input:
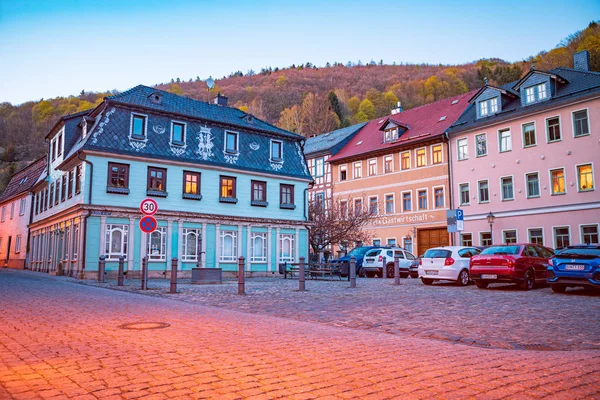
(533, 71)
(23, 180)
(331, 142)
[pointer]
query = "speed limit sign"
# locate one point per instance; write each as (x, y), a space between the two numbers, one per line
(148, 207)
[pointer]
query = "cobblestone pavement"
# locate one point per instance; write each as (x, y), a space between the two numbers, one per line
(499, 317)
(62, 340)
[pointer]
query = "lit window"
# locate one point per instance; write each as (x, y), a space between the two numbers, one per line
(505, 140)
(463, 149)
(585, 177)
(405, 160)
(421, 161)
(228, 188)
(529, 135)
(557, 177)
(580, 123)
(436, 152)
(191, 184)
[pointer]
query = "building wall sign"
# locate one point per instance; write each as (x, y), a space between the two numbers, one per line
(405, 219)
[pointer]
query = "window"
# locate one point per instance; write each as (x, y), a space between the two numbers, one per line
(191, 185)
(228, 246)
(373, 167)
(3, 214)
(535, 93)
(63, 188)
(228, 189)
(53, 149)
(536, 236)
(484, 191)
(157, 245)
(373, 208)
(561, 237)
(493, 105)
(357, 170)
(70, 186)
(422, 195)
(231, 142)
(507, 188)
(78, 179)
(358, 207)
(259, 247)
(463, 149)
(75, 242)
(277, 150)
(405, 157)
(466, 239)
(505, 140)
(589, 234)
(406, 201)
(557, 179)
(191, 244)
(408, 245)
(12, 210)
(553, 129)
(343, 209)
(286, 248)
(390, 135)
(57, 192)
(319, 167)
(581, 125)
(376, 242)
(259, 193)
(116, 241)
(138, 126)
(485, 239)
(18, 244)
(118, 177)
(22, 206)
(529, 135)
(389, 203)
(585, 178)
(51, 196)
(439, 197)
(421, 161)
(320, 200)
(157, 179)
(46, 198)
(530, 94)
(509, 236)
(59, 145)
(343, 173)
(437, 154)
(391, 241)
(178, 133)
(465, 196)
(488, 106)
(533, 185)
(286, 196)
(388, 164)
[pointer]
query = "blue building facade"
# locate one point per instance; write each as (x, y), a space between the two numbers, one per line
(226, 183)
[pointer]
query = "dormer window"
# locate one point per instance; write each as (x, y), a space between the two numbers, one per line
(231, 143)
(488, 107)
(138, 126)
(84, 128)
(178, 133)
(536, 93)
(391, 135)
(276, 151)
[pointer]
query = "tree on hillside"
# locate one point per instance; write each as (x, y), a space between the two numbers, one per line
(366, 111)
(317, 116)
(257, 108)
(353, 103)
(338, 108)
(175, 89)
(291, 119)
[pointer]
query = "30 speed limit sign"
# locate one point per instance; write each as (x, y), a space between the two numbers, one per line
(148, 207)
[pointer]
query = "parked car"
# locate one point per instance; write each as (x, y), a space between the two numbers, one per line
(448, 263)
(378, 260)
(524, 264)
(413, 268)
(574, 266)
(358, 253)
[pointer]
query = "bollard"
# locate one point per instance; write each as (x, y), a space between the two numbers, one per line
(121, 271)
(144, 273)
(241, 277)
(101, 265)
(352, 272)
(301, 280)
(396, 270)
(173, 276)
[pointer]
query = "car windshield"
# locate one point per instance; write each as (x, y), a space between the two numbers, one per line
(358, 252)
(501, 250)
(437, 253)
(579, 252)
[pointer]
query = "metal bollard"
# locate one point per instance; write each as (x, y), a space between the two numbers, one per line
(144, 273)
(121, 271)
(173, 275)
(396, 270)
(101, 266)
(352, 272)
(301, 277)
(241, 277)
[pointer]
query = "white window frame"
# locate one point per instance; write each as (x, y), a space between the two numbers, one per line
(541, 89)
(512, 181)
(254, 237)
(465, 153)
(320, 169)
(536, 228)
(354, 208)
(237, 142)
(172, 142)
(509, 142)
(591, 164)
(527, 195)
(280, 159)
(372, 162)
(417, 157)
(529, 94)
(587, 112)
(477, 148)
(433, 189)
(343, 167)
(377, 202)
(390, 158)
(354, 165)
(554, 228)
(548, 130)
(402, 200)
(461, 234)
(124, 246)
(493, 105)
(564, 170)
(387, 241)
(197, 234)
(385, 195)
(18, 244)
(131, 136)
(460, 193)
(161, 256)
(409, 161)
(479, 201)
(408, 243)
(3, 218)
(484, 108)
(283, 238)
(228, 258)
(525, 146)
(419, 200)
(441, 153)
(12, 210)
(504, 231)
(581, 226)
(22, 206)
(481, 237)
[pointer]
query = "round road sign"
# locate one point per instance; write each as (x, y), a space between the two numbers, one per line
(148, 207)
(148, 224)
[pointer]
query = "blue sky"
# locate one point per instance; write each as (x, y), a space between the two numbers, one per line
(57, 48)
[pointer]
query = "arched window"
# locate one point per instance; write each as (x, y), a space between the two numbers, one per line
(228, 246)
(116, 241)
(286, 248)
(192, 244)
(259, 247)
(157, 245)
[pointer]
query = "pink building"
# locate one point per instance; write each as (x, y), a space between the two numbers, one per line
(529, 153)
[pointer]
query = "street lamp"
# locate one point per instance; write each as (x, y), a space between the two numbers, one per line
(210, 83)
(490, 218)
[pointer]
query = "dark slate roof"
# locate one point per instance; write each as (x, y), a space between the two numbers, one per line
(175, 104)
(67, 117)
(580, 84)
(331, 142)
(23, 180)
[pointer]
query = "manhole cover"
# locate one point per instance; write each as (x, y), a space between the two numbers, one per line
(142, 326)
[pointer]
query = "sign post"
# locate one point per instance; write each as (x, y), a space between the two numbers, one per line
(148, 224)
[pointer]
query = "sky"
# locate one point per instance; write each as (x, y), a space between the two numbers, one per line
(60, 47)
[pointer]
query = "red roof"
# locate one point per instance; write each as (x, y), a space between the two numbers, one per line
(23, 180)
(423, 122)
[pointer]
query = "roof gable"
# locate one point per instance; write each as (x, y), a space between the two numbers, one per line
(24, 180)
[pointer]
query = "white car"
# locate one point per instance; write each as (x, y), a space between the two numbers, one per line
(376, 260)
(448, 263)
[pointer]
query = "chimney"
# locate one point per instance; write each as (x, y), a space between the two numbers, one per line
(220, 100)
(397, 109)
(581, 60)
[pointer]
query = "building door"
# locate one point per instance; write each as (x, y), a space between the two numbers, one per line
(428, 238)
(8, 251)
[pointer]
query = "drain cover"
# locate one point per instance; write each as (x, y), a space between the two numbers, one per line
(142, 326)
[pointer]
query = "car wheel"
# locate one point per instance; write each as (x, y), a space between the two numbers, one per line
(559, 288)
(481, 285)
(361, 272)
(404, 275)
(463, 278)
(528, 281)
(426, 281)
(390, 270)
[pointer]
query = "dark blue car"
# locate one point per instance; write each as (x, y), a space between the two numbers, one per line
(574, 266)
(358, 253)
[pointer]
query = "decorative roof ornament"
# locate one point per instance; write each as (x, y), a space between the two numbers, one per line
(159, 129)
(254, 146)
(205, 144)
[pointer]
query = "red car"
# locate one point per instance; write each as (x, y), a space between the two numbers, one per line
(524, 264)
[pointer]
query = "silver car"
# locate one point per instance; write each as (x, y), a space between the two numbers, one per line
(376, 260)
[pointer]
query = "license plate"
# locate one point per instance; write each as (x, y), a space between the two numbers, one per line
(489, 276)
(575, 267)
(431, 272)
(370, 260)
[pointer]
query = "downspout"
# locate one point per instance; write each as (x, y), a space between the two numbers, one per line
(85, 218)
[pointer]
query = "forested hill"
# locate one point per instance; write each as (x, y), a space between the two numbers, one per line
(305, 98)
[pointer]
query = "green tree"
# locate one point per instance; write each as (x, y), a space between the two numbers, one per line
(175, 89)
(368, 109)
(353, 103)
(382, 106)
